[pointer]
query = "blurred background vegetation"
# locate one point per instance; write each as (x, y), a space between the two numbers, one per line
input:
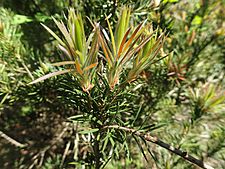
(182, 96)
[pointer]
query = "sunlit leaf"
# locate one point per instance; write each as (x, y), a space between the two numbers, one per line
(90, 66)
(63, 63)
(78, 68)
(88, 131)
(50, 75)
(54, 35)
(112, 36)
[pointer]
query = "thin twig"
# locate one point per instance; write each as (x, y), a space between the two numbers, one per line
(65, 154)
(27, 70)
(45, 149)
(11, 140)
(159, 142)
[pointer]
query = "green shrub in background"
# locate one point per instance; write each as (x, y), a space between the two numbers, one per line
(13, 68)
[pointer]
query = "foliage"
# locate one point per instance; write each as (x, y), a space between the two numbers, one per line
(94, 104)
(77, 50)
(12, 65)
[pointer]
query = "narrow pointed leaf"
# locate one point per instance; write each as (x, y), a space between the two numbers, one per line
(136, 32)
(65, 51)
(88, 131)
(50, 75)
(90, 66)
(130, 51)
(156, 44)
(63, 63)
(123, 42)
(106, 52)
(64, 31)
(137, 49)
(122, 26)
(79, 36)
(78, 68)
(112, 36)
(54, 35)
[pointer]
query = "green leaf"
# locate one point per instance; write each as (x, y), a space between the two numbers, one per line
(88, 131)
(137, 115)
(20, 19)
(106, 140)
(79, 35)
(197, 20)
(65, 33)
(134, 35)
(112, 36)
(140, 147)
(122, 26)
(54, 35)
(123, 42)
(112, 141)
(50, 75)
(41, 17)
(157, 126)
(106, 50)
(77, 117)
(63, 63)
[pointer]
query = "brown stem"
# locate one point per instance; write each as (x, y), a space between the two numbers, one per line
(97, 154)
(11, 140)
(159, 142)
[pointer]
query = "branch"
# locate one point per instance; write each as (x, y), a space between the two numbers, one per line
(11, 140)
(157, 141)
(45, 149)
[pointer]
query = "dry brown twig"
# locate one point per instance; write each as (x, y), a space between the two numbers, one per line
(41, 154)
(11, 140)
(159, 142)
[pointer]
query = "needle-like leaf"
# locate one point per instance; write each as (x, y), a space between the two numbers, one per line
(105, 50)
(90, 66)
(50, 75)
(112, 36)
(54, 35)
(63, 63)
(136, 31)
(65, 51)
(64, 31)
(122, 26)
(123, 42)
(78, 68)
